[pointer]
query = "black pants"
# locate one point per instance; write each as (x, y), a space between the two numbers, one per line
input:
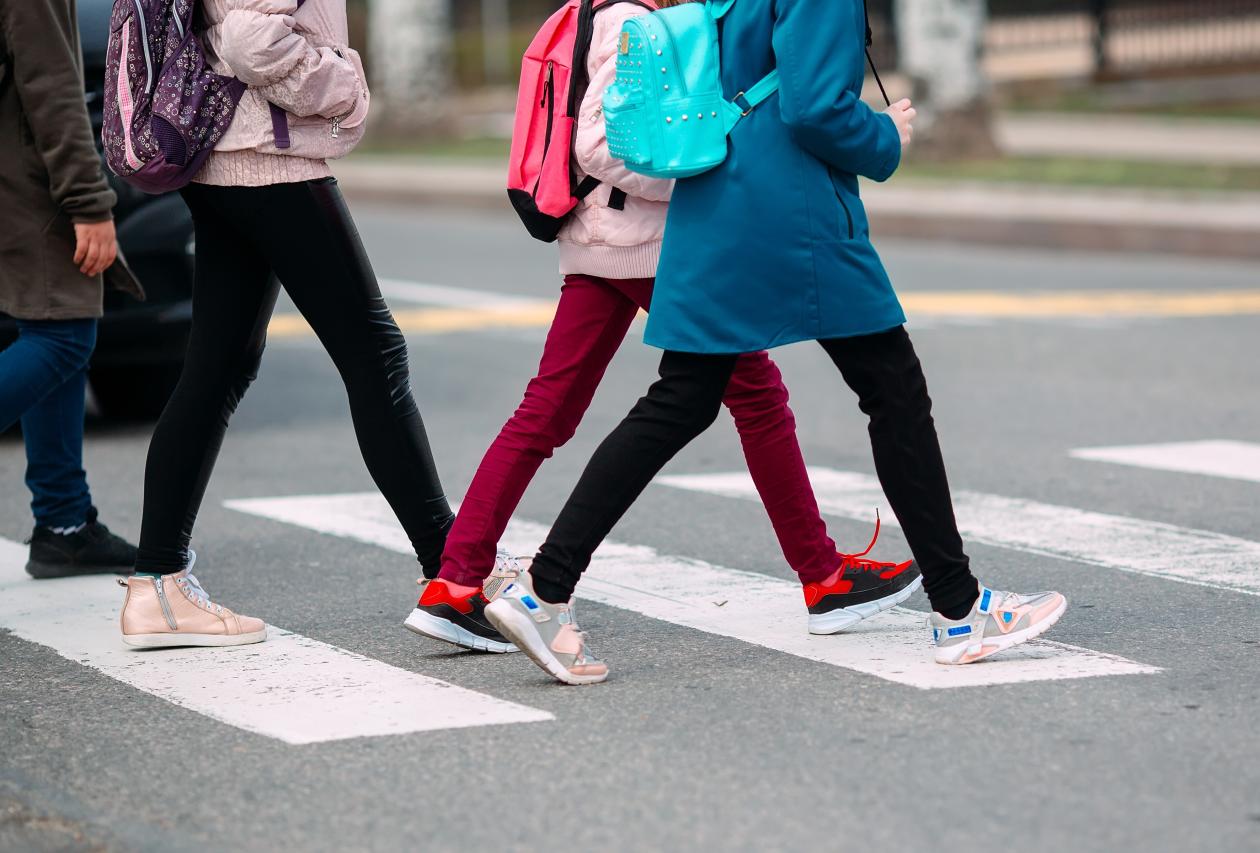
(302, 234)
(884, 372)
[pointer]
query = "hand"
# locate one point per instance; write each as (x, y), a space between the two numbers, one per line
(903, 115)
(96, 247)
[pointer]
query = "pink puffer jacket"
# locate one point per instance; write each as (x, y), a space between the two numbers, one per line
(598, 240)
(299, 60)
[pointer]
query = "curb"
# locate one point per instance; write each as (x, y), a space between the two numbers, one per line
(1221, 225)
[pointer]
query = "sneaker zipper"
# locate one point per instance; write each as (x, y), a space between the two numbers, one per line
(160, 585)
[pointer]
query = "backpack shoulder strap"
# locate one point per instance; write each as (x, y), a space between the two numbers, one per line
(582, 47)
(579, 82)
(280, 119)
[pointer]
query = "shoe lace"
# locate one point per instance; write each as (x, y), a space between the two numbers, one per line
(194, 589)
(506, 570)
(860, 562)
(582, 635)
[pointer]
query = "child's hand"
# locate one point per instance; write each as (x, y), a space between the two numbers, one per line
(903, 115)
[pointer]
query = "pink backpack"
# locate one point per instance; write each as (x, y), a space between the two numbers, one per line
(543, 185)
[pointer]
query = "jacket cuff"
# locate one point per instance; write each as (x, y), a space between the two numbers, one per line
(94, 207)
(891, 162)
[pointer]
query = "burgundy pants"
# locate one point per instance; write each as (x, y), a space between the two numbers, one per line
(591, 321)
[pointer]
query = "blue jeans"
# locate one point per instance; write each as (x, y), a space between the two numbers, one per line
(43, 377)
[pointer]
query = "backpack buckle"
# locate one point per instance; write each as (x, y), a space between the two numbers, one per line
(746, 107)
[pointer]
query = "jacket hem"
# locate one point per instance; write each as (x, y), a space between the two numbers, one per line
(33, 315)
(662, 341)
(615, 262)
(256, 169)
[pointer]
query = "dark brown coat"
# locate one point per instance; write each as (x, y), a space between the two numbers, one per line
(50, 173)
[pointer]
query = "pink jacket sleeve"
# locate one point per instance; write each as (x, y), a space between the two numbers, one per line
(591, 143)
(260, 46)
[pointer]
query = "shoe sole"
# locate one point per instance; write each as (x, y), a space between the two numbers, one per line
(1009, 641)
(846, 617)
(176, 641)
(51, 571)
(428, 625)
(520, 629)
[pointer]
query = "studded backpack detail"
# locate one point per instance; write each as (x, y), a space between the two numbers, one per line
(665, 113)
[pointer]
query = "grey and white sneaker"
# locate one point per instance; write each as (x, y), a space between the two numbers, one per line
(506, 569)
(548, 633)
(997, 621)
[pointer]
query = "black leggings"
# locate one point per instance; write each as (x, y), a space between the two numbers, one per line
(884, 372)
(302, 234)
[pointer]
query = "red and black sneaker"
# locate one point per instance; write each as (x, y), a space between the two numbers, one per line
(459, 619)
(859, 589)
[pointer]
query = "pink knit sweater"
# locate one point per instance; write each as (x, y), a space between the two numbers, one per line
(598, 240)
(298, 60)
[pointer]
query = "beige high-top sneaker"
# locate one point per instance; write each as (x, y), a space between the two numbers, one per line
(173, 610)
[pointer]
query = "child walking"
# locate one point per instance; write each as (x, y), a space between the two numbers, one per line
(609, 260)
(789, 188)
(267, 213)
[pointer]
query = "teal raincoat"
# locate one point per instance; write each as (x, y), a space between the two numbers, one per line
(773, 246)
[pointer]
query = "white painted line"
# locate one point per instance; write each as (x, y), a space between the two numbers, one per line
(1128, 544)
(400, 290)
(746, 606)
(1235, 460)
(292, 688)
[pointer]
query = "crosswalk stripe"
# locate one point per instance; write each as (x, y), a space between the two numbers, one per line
(1235, 460)
(1112, 541)
(746, 606)
(291, 687)
(401, 290)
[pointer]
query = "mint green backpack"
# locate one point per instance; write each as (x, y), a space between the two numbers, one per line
(665, 114)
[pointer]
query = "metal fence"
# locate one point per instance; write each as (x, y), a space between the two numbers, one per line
(1121, 37)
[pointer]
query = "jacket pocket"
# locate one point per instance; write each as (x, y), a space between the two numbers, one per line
(847, 224)
(359, 114)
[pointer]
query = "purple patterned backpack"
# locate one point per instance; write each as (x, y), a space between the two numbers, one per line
(165, 110)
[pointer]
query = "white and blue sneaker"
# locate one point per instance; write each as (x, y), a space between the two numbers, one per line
(548, 633)
(997, 621)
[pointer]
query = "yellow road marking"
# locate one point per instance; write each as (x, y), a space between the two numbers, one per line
(1083, 303)
(958, 303)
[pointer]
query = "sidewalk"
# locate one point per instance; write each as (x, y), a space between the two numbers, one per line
(1211, 224)
(1126, 137)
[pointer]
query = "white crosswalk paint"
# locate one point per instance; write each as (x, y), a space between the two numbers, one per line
(1235, 460)
(292, 688)
(400, 290)
(751, 607)
(1113, 541)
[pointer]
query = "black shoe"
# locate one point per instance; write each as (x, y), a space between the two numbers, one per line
(860, 589)
(460, 620)
(91, 551)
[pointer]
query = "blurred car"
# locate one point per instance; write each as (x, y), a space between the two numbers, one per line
(140, 345)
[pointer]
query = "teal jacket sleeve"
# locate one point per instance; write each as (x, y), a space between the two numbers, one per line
(816, 46)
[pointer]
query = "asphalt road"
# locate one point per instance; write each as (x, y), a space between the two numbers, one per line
(701, 741)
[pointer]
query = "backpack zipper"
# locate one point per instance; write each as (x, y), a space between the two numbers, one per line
(548, 98)
(144, 42)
